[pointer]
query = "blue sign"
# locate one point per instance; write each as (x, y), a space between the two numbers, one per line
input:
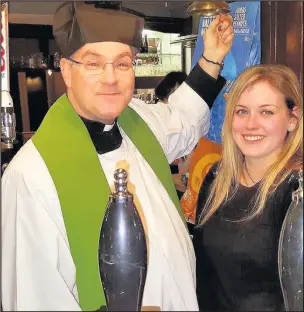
(245, 52)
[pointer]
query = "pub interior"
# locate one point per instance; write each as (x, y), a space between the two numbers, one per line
(170, 41)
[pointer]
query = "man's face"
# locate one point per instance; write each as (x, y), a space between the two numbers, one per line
(97, 94)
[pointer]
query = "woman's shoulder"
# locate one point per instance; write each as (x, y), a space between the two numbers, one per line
(282, 196)
(283, 191)
(210, 175)
(205, 188)
(293, 177)
(295, 169)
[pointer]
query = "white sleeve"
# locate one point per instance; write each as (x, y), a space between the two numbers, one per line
(178, 125)
(31, 243)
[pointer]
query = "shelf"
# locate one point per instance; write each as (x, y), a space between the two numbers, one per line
(183, 39)
(140, 55)
(33, 71)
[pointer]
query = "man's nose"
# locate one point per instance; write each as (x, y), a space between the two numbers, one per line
(109, 75)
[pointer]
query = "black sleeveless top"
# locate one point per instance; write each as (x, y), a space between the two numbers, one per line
(237, 263)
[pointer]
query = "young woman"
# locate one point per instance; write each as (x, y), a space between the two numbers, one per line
(244, 198)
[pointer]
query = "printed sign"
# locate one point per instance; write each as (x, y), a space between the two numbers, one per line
(4, 48)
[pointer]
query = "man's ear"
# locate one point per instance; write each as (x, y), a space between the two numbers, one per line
(66, 71)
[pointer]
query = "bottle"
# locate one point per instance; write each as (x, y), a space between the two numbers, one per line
(146, 44)
(122, 250)
(290, 254)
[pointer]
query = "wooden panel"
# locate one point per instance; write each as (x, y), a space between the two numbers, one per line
(24, 102)
(55, 86)
(282, 34)
(294, 37)
(49, 88)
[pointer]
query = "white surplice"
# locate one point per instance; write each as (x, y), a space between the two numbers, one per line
(38, 272)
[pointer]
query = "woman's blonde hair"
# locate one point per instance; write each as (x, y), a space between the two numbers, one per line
(230, 167)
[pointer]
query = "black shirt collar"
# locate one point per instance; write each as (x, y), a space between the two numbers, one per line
(104, 141)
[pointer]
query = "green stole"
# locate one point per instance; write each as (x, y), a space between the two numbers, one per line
(70, 156)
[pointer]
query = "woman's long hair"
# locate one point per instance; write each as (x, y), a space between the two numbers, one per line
(230, 167)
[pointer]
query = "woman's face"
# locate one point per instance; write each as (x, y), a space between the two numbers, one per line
(261, 121)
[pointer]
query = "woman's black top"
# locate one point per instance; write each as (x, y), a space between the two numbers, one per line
(237, 263)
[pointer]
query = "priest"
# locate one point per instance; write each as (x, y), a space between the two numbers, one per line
(55, 190)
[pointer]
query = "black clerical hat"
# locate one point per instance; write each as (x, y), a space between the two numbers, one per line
(77, 23)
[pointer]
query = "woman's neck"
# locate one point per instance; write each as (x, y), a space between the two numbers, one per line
(254, 170)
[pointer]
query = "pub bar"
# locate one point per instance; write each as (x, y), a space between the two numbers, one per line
(152, 155)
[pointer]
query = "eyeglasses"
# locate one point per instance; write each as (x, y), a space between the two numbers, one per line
(97, 67)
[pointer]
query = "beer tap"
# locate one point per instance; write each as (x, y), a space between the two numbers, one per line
(122, 250)
(8, 119)
(290, 255)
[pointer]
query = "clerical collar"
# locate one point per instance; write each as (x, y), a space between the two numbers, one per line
(106, 138)
(109, 127)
